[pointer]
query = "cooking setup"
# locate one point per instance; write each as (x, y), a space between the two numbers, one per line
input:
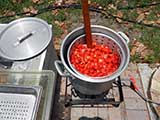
(92, 59)
(92, 88)
(20, 51)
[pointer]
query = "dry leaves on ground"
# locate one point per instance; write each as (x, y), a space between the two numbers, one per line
(141, 49)
(58, 40)
(37, 1)
(8, 13)
(55, 12)
(16, 1)
(158, 21)
(144, 13)
(30, 10)
(158, 14)
(140, 17)
(119, 15)
(70, 1)
(59, 2)
(148, 22)
(111, 6)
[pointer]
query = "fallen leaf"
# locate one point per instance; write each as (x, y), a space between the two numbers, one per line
(147, 13)
(118, 20)
(55, 12)
(158, 14)
(119, 14)
(59, 2)
(140, 17)
(8, 13)
(158, 21)
(57, 43)
(69, 1)
(26, 10)
(148, 22)
(133, 51)
(139, 11)
(30, 10)
(111, 6)
(57, 23)
(37, 1)
(33, 10)
(141, 49)
(16, 1)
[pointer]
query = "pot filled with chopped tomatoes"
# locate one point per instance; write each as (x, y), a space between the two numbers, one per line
(93, 70)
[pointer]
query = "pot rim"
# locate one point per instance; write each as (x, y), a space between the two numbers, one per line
(89, 79)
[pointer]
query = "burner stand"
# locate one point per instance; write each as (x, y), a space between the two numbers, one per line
(77, 99)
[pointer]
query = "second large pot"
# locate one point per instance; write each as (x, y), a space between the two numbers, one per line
(90, 85)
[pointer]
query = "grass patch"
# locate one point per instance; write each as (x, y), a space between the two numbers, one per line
(50, 18)
(57, 31)
(60, 16)
(151, 38)
(135, 58)
(131, 16)
(47, 16)
(74, 15)
(9, 5)
(104, 2)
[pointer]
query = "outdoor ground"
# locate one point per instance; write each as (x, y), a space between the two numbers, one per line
(138, 19)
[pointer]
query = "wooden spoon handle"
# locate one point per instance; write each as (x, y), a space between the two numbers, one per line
(87, 25)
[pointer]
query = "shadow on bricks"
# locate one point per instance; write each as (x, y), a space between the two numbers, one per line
(86, 118)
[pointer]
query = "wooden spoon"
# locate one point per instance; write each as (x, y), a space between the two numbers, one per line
(87, 25)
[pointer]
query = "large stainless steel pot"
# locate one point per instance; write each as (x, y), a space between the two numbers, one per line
(89, 85)
(24, 38)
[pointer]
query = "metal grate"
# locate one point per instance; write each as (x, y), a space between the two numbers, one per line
(16, 106)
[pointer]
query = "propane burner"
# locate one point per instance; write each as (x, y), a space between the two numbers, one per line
(75, 98)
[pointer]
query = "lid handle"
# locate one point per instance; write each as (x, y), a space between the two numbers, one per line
(23, 38)
(27, 35)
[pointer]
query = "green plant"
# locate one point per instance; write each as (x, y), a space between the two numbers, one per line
(60, 16)
(135, 58)
(150, 37)
(57, 31)
(47, 16)
(150, 59)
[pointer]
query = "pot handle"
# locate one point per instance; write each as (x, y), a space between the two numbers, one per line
(60, 68)
(124, 36)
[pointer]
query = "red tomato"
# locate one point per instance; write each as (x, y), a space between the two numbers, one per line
(96, 62)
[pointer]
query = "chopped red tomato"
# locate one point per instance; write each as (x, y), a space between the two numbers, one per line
(97, 61)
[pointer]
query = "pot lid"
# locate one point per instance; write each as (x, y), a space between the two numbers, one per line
(24, 38)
